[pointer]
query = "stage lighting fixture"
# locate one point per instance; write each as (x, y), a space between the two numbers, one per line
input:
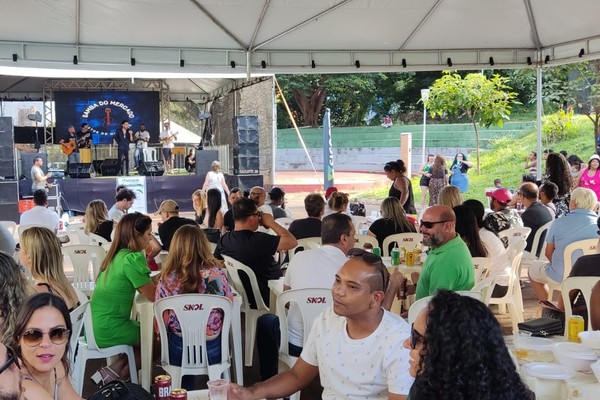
(449, 62)
(75, 60)
(263, 64)
(132, 62)
(232, 64)
(182, 63)
(15, 57)
(313, 65)
(581, 53)
(547, 59)
(404, 63)
(357, 63)
(492, 61)
(529, 61)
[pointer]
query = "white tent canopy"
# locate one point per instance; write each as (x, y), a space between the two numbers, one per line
(188, 38)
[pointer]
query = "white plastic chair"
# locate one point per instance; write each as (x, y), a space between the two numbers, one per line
(482, 267)
(408, 240)
(305, 244)
(89, 350)
(513, 297)
(81, 297)
(285, 222)
(486, 288)
(98, 240)
(584, 284)
(78, 229)
(360, 240)
(585, 247)
(252, 314)
(311, 303)
(192, 311)
(11, 226)
(416, 308)
(24, 227)
(474, 294)
(77, 319)
(542, 230)
(515, 234)
(86, 259)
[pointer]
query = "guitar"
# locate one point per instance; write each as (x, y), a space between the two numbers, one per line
(69, 147)
(169, 138)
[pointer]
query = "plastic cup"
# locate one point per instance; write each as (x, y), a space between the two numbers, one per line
(217, 389)
(377, 251)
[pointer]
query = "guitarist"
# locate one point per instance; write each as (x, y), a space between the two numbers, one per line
(84, 137)
(69, 146)
(123, 137)
(167, 137)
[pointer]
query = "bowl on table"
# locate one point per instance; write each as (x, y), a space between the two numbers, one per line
(590, 339)
(575, 355)
(533, 349)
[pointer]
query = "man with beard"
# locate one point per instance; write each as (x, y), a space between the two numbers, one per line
(449, 264)
(10, 378)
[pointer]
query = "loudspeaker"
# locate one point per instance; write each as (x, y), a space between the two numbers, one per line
(7, 148)
(9, 200)
(204, 159)
(246, 150)
(97, 166)
(81, 170)
(244, 182)
(110, 167)
(151, 168)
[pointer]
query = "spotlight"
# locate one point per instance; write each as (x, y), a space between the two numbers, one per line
(75, 60)
(581, 53)
(404, 63)
(492, 61)
(529, 61)
(15, 57)
(547, 59)
(132, 61)
(232, 64)
(357, 63)
(313, 65)
(449, 62)
(263, 64)
(182, 63)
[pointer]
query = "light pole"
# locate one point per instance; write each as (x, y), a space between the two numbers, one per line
(424, 98)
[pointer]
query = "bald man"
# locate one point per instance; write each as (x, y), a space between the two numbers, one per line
(449, 264)
(535, 215)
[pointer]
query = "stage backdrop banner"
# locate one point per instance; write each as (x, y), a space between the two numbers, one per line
(104, 111)
(138, 185)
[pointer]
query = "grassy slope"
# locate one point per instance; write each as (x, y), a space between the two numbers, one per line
(506, 158)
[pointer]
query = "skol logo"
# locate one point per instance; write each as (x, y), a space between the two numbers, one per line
(80, 251)
(193, 307)
(407, 239)
(316, 300)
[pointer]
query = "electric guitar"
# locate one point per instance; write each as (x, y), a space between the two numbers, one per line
(69, 147)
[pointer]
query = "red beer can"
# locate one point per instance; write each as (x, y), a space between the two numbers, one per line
(178, 394)
(162, 387)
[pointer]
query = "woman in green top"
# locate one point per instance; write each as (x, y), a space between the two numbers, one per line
(123, 272)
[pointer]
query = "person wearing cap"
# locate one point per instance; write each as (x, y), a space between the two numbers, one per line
(171, 221)
(590, 177)
(535, 214)
(277, 204)
(579, 224)
(502, 217)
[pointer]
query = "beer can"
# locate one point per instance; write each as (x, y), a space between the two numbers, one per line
(575, 326)
(162, 387)
(377, 251)
(395, 256)
(178, 394)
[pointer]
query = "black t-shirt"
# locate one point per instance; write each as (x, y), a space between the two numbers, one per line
(587, 266)
(228, 221)
(105, 229)
(255, 250)
(534, 217)
(85, 142)
(383, 228)
(305, 228)
(167, 229)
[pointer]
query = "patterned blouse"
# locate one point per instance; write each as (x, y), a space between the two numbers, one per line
(214, 281)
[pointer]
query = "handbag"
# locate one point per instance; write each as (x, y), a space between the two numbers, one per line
(119, 390)
(358, 209)
(542, 327)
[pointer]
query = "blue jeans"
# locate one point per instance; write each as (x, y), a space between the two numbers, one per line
(73, 158)
(213, 350)
(138, 156)
(268, 336)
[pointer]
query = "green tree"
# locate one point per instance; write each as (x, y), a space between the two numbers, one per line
(584, 91)
(485, 101)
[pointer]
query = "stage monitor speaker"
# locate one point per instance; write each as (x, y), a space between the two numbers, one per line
(97, 166)
(151, 168)
(110, 167)
(9, 200)
(7, 148)
(246, 150)
(81, 170)
(244, 182)
(204, 159)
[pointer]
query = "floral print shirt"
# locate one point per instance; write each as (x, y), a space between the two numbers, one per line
(214, 281)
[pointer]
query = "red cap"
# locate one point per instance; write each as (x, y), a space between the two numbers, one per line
(330, 191)
(503, 195)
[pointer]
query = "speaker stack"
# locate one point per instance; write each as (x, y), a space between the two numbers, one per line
(245, 152)
(81, 170)
(110, 167)
(151, 168)
(9, 188)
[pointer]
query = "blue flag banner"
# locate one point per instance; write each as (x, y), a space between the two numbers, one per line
(327, 151)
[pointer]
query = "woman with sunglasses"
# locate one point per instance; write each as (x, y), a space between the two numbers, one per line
(41, 340)
(457, 351)
(124, 272)
(14, 289)
(41, 255)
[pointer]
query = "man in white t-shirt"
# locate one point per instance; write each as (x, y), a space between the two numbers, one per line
(141, 137)
(355, 347)
(40, 214)
(308, 269)
(123, 202)
(167, 138)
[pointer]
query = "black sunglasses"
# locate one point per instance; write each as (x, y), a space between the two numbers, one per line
(430, 224)
(415, 337)
(11, 357)
(33, 337)
(371, 259)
